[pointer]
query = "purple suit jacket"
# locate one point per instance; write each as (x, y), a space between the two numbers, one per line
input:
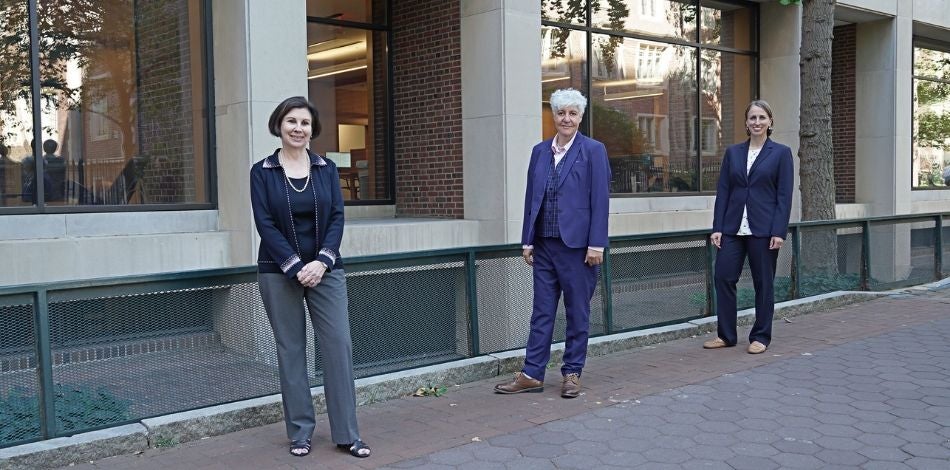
(766, 191)
(583, 193)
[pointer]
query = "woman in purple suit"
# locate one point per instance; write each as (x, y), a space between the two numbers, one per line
(750, 220)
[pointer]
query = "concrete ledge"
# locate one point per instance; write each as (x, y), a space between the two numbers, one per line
(173, 429)
(83, 447)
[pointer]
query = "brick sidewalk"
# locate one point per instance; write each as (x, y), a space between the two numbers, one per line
(418, 432)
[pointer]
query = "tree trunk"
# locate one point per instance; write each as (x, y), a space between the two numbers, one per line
(815, 152)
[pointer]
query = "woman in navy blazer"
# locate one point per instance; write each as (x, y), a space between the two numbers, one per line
(750, 219)
(298, 212)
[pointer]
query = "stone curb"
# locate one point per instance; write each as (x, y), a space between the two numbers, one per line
(83, 447)
(177, 428)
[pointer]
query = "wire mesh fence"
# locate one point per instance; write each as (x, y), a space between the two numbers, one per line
(83, 355)
(19, 384)
(903, 253)
(830, 259)
(657, 281)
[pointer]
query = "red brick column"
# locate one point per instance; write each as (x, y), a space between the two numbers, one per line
(427, 108)
(843, 51)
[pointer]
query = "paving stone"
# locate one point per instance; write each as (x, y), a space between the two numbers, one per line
(841, 457)
(889, 454)
(923, 463)
(542, 450)
(928, 450)
(745, 462)
(799, 461)
(456, 456)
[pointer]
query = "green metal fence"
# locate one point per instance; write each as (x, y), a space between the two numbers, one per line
(83, 355)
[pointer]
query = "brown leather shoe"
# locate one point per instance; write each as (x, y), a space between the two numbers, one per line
(756, 348)
(716, 344)
(520, 384)
(571, 386)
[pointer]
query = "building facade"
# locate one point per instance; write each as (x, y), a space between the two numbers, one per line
(148, 116)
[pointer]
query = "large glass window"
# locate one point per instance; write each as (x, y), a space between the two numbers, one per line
(122, 104)
(347, 56)
(667, 86)
(931, 160)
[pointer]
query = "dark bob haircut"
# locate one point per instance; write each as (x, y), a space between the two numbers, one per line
(288, 105)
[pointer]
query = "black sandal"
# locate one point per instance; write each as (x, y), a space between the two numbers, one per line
(301, 445)
(356, 449)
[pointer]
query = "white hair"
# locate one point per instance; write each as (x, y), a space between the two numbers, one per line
(566, 98)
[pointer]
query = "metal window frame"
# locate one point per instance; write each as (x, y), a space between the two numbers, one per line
(389, 137)
(698, 46)
(39, 204)
(922, 43)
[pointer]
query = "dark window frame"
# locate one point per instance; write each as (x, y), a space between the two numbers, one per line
(40, 207)
(389, 137)
(590, 30)
(922, 43)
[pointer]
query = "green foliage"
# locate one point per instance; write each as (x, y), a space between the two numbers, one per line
(574, 12)
(165, 442)
(430, 391)
(617, 132)
(932, 176)
(77, 408)
(933, 130)
(790, 2)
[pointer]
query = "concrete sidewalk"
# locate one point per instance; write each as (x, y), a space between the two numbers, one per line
(864, 385)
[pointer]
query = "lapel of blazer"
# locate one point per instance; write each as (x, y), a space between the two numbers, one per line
(542, 167)
(763, 154)
(571, 157)
(744, 158)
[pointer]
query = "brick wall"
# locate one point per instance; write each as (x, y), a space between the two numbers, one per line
(164, 99)
(427, 104)
(842, 108)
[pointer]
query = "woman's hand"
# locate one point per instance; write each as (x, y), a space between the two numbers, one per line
(594, 257)
(528, 255)
(716, 239)
(776, 243)
(312, 273)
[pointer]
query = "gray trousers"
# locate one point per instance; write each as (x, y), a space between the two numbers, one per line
(283, 300)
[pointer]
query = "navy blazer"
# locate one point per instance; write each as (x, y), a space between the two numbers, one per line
(766, 192)
(270, 201)
(583, 192)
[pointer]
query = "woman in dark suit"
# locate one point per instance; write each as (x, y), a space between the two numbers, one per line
(750, 219)
(298, 211)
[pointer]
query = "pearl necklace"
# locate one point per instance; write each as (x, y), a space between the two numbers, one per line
(291, 183)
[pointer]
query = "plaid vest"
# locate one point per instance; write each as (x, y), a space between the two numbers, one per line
(547, 216)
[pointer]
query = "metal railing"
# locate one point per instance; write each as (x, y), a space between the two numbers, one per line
(83, 355)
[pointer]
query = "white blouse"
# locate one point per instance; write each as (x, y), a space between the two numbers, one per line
(744, 226)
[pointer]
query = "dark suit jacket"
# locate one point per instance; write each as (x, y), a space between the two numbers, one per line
(583, 192)
(766, 192)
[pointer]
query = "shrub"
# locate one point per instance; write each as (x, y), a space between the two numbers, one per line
(78, 407)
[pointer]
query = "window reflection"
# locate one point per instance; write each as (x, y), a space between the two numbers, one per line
(564, 11)
(665, 124)
(658, 18)
(563, 65)
(122, 105)
(726, 25)
(931, 127)
(347, 83)
(641, 109)
(17, 166)
(727, 89)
